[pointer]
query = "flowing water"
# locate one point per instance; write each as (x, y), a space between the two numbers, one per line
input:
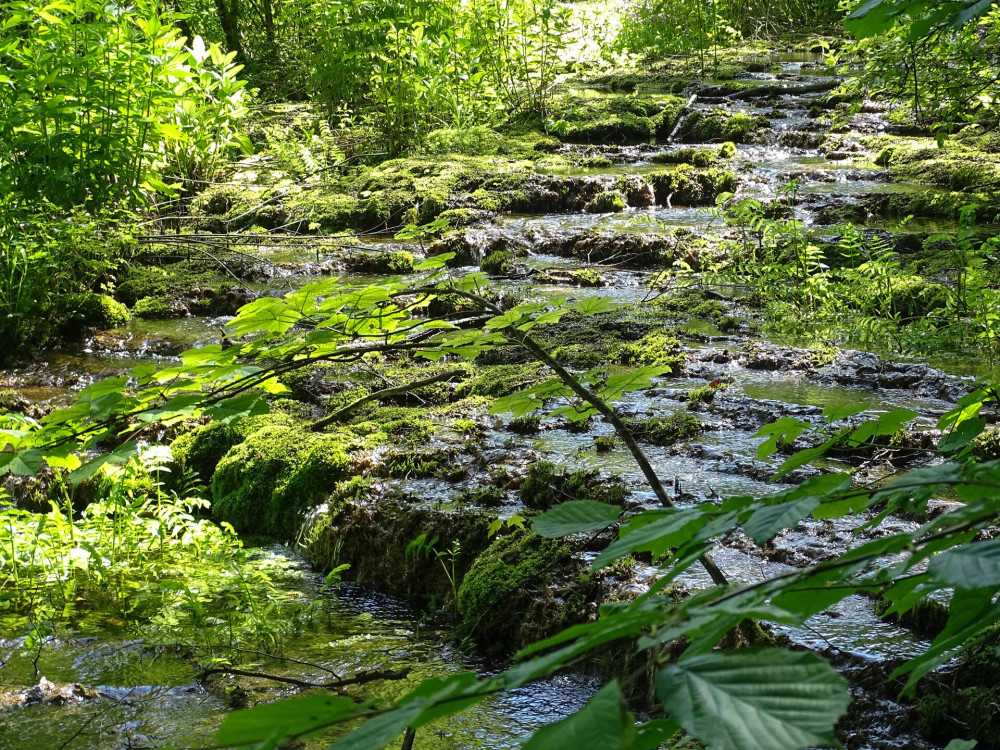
(149, 696)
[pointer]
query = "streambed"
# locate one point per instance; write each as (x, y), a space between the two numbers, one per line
(149, 696)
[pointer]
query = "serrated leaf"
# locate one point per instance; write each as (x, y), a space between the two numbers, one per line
(282, 718)
(836, 413)
(786, 429)
(654, 533)
(973, 566)
(769, 520)
(755, 699)
(575, 517)
(599, 725)
(593, 305)
(378, 732)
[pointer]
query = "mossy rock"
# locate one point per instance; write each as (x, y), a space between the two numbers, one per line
(201, 449)
(970, 714)
(666, 430)
(719, 125)
(154, 308)
(618, 119)
(391, 263)
(263, 484)
(92, 311)
(610, 201)
(687, 186)
(502, 584)
(499, 263)
(658, 348)
(546, 485)
(496, 381)
(372, 537)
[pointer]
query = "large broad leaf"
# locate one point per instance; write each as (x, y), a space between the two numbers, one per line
(771, 519)
(378, 732)
(576, 517)
(975, 566)
(755, 699)
(600, 725)
(784, 430)
(282, 718)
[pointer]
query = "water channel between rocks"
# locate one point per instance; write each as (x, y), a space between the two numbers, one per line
(151, 695)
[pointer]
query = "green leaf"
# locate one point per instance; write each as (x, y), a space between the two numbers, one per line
(653, 734)
(379, 731)
(654, 533)
(974, 566)
(769, 520)
(785, 429)
(967, 431)
(887, 424)
(755, 699)
(299, 715)
(961, 745)
(599, 725)
(593, 305)
(21, 463)
(836, 413)
(576, 517)
(247, 405)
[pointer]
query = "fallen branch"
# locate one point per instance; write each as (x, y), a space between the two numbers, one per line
(395, 390)
(359, 678)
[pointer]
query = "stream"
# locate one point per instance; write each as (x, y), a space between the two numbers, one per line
(149, 696)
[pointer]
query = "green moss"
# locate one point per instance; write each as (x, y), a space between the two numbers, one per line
(610, 201)
(496, 381)
(705, 394)
(605, 443)
(510, 571)
(527, 424)
(666, 430)
(687, 186)
(986, 447)
(263, 484)
(440, 461)
(617, 119)
(704, 157)
(385, 263)
(546, 485)
(717, 124)
(95, 311)
(152, 308)
(658, 348)
(201, 449)
(587, 277)
(499, 263)
(969, 713)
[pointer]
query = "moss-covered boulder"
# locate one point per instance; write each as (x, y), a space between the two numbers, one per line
(659, 348)
(546, 485)
(618, 119)
(372, 537)
(389, 263)
(610, 201)
(264, 483)
(508, 596)
(686, 185)
(666, 430)
(703, 126)
(92, 311)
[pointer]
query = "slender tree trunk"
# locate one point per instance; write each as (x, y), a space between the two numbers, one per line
(227, 19)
